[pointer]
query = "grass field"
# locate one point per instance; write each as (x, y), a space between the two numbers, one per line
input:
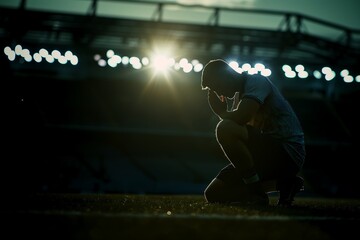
(120, 216)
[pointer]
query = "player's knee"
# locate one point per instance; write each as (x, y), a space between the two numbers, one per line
(227, 130)
(212, 193)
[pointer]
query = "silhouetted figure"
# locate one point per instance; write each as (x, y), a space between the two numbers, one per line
(258, 132)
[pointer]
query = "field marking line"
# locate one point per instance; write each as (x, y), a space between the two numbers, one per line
(205, 216)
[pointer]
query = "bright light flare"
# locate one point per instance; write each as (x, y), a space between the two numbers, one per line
(161, 58)
(162, 63)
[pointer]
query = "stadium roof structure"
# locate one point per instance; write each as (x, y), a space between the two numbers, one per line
(290, 40)
(99, 106)
(295, 39)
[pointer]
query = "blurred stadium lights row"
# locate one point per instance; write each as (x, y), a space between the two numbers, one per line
(326, 72)
(163, 63)
(159, 62)
(43, 53)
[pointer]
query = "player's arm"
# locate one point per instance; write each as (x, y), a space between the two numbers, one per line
(217, 103)
(245, 112)
(235, 101)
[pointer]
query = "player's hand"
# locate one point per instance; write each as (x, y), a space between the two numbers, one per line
(217, 103)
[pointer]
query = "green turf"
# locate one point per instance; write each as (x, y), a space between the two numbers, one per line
(120, 216)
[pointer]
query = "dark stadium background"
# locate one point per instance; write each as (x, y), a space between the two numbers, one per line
(89, 129)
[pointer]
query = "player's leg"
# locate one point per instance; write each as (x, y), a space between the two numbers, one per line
(288, 188)
(233, 139)
(226, 187)
(229, 187)
(274, 164)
